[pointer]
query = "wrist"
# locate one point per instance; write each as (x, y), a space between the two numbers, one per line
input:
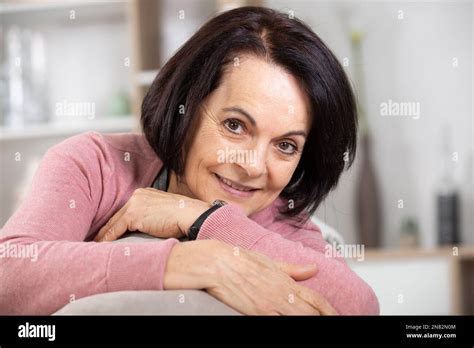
(191, 214)
(191, 265)
(193, 231)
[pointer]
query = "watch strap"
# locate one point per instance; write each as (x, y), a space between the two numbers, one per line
(196, 226)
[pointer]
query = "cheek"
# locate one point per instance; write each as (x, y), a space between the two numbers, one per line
(279, 174)
(202, 154)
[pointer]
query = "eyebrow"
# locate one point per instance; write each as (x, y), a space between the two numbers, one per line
(254, 123)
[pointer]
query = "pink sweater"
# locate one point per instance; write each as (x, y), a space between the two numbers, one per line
(82, 182)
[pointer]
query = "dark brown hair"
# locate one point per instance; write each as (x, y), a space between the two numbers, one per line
(197, 68)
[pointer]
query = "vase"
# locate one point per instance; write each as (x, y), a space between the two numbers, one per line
(368, 207)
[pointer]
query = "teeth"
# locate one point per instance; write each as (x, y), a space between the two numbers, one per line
(234, 186)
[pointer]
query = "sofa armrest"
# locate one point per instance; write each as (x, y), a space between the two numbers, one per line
(166, 302)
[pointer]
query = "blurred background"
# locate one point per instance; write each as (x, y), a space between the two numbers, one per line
(67, 67)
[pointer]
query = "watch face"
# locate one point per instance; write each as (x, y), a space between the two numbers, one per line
(219, 202)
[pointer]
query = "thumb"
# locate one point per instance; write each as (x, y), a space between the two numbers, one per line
(298, 272)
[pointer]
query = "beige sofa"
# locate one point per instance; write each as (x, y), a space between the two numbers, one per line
(175, 302)
(168, 302)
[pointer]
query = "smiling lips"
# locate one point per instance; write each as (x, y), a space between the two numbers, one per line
(233, 186)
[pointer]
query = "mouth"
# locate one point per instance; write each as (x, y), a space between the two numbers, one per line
(235, 188)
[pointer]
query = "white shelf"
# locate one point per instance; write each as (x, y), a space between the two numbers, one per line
(109, 124)
(11, 7)
(47, 13)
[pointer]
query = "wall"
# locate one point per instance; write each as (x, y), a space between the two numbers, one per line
(405, 60)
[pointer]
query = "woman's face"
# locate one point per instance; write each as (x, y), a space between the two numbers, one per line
(249, 137)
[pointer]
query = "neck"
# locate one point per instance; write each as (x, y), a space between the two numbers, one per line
(178, 186)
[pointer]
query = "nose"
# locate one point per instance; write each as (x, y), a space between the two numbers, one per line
(256, 165)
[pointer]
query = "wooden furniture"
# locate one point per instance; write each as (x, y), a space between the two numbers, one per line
(147, 29)
(82, 48)
(133, 32)
(414, 281)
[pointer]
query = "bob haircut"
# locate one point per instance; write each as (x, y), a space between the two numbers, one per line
(198, 66)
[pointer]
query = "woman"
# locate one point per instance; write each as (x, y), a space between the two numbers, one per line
(246, 130)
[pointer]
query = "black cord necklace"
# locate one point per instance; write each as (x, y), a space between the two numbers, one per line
(162, 180)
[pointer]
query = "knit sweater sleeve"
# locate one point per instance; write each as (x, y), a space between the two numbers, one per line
(347, 293)
(46, 260)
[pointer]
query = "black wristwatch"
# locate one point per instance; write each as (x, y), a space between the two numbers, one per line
(196, 226)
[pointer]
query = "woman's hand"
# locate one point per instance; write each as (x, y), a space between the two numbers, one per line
(249, 282)
(158, 213)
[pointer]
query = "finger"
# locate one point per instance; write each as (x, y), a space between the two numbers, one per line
(116, 230)
(235, 298)
(279, 297)
(102, 232)
(298, 272)
(108, 228)
(299, 306)
(316, 300)
(293, 305)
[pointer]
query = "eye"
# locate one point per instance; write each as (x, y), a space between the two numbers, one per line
(234, 125)
(287, 148)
